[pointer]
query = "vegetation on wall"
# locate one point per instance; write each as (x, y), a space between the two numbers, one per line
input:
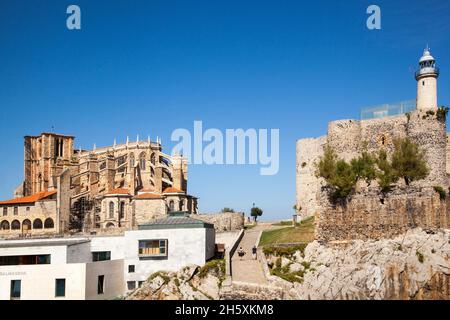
(406, 162)
(442, 113)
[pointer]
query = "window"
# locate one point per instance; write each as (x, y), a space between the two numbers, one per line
(37, 224)
(5, 211)
(16, 211)
(132, 160)
(25, 260)
(171, 206)
(122, 210)
(131, 268)
(153, 248)
(15, 289)
(111, 210)
(4, 225)
(60, 287)
(131, 285)
(48, 223)
(101, 284)
(28, 208)
(153, 159)
(15, 225)
(142, 161)
(101, 256)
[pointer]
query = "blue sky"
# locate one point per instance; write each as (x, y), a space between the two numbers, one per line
(149, 67)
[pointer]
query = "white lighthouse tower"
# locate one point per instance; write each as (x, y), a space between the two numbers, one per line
(426, 78)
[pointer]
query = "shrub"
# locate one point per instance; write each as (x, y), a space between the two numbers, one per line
(285, 251)
(442, 113)
(386, 176)
(408, 161)
(420, 256)
(364, 167)
(217, 266)
(226, 209)
(441, 191)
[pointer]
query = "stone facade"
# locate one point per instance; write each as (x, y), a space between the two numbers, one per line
(228, 221)
(373, 216)
(85, 184)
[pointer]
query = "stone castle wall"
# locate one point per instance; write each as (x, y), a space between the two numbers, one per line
(228, 221)
(350, 137)
(375, 217)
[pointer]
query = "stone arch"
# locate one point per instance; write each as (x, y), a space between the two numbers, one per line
(4, 225)
(37, 224)
(15, 225)
(153, 158)
(110, 225)
(48, 223)
(26, 225)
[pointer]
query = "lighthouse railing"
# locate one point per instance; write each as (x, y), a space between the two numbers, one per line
(388, 110)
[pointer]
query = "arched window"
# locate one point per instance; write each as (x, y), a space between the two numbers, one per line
(181, 205)
(110, 225)
(48, 223)
(142, 160)
(132, 160)
(37, 224)
(26, 225)
(4, 225)
(153, 159)
(171, 206)
(15, 225)
(122, 210)
(111, 209)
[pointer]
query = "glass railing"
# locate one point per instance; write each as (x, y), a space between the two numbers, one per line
(388, 110)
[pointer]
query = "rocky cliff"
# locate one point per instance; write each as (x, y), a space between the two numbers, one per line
(411, 266)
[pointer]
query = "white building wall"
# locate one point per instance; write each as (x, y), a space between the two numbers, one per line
(185, 246)
(38, 281)
(114, 281)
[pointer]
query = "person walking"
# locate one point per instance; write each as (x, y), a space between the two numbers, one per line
(241, 253)
(254, 250)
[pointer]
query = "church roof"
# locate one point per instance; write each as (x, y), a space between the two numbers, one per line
(173, 190)
(148, 195)
(119, 191)
(30, 199)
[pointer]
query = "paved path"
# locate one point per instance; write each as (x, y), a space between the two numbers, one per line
(247, 269)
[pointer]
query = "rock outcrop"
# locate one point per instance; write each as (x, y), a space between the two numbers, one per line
(411, 266)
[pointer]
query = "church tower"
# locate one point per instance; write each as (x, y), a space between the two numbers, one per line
(426, 78)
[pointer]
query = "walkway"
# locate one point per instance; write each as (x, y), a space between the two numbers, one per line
(249, 270)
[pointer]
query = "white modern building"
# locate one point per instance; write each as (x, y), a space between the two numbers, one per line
(101, 267)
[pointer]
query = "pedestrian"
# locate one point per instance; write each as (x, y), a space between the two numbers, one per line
(254, 250)
(241, 253)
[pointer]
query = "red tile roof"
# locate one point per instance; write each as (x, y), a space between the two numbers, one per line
(119, 191)
(173, 190)
(30, 199)
(148, 196)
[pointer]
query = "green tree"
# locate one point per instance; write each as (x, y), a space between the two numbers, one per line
(364, 167)
(386, 175)
(408, 161)
(226, 209)
(326, 168)
(256, 212)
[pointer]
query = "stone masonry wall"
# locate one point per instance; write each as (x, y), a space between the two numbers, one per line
(228, 221)
(308, 150)
(376, 217)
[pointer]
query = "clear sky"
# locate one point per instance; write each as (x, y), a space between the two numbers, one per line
(149, 67)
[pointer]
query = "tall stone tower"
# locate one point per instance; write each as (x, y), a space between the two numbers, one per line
(46, 156)
(426, 78)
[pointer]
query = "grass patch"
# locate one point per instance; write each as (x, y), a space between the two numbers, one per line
(441, 191)
(217, 266)
(161, 274)
(286, 224)
(420, 256)
(303, 233)
(284, 251)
